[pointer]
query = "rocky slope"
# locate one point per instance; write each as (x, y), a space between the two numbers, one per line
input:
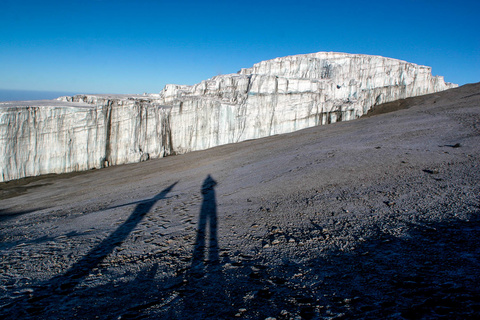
(376, 218)
(273, 97)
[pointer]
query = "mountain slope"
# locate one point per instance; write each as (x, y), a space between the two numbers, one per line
(372, 218)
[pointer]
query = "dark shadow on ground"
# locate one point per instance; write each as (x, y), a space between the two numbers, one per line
(83, 267)
(430, 272)
(203, 284)
(200, 290)
(65, 284)
(207, 219)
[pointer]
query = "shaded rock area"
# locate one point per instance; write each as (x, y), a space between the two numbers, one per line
(369, 219)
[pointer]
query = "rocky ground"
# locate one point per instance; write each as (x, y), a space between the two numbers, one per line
(370, 219)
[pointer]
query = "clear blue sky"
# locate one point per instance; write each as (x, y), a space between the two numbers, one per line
(105, 46)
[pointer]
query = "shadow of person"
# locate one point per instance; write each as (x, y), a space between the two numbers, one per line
(67, 281)
(207, 218)
(204, 291)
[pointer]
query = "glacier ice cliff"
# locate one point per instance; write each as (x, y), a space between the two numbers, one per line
(272, 97)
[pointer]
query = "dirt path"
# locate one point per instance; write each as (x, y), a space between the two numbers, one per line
(374, 218)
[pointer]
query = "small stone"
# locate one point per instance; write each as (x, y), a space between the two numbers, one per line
(26, 291)
(431, 171)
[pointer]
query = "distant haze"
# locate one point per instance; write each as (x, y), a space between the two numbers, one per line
(22, 95)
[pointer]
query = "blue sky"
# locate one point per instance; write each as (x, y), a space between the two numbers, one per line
(103, 46)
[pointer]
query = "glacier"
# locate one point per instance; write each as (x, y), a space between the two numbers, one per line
(281, 95)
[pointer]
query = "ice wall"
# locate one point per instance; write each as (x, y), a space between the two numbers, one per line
(273, 97)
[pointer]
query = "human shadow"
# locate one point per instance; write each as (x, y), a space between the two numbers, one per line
(430, 272)
(204, 289)
(199, 290)
(207, 218)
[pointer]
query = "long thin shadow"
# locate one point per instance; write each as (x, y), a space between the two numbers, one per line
(205, 287)
(207, 218)
(84, 266)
